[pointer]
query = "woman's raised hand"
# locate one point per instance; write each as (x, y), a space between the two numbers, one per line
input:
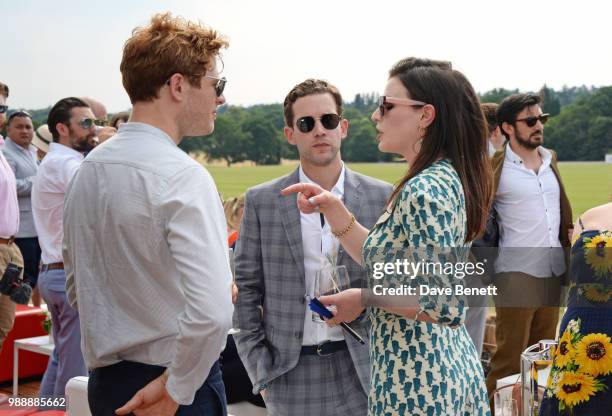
(311, 197)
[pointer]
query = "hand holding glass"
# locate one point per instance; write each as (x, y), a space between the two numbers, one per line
(328, 281)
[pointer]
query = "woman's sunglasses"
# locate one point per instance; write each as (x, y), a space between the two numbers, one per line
(387, 103)
(329, 121)
(531, 121)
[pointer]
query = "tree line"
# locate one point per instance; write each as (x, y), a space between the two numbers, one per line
(580, 128)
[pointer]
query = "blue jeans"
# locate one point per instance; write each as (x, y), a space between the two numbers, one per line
(67, 359)
(111, 387)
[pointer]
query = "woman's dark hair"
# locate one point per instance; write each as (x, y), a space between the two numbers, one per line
(458, 132)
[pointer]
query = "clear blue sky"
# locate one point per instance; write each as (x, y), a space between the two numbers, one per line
(61, 48)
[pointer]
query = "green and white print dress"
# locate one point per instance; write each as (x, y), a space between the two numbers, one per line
(420, 368)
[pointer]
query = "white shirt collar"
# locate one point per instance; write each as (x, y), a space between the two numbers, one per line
(337, 189)
(135, 127)
(58, 148)
(517, 160)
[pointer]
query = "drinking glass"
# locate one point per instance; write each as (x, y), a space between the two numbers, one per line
(509, 407)
(328, 281)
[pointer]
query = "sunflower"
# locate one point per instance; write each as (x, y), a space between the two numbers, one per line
(575, 388)
(597, 293)
(598, 253)
(594, 354)
(564, 353)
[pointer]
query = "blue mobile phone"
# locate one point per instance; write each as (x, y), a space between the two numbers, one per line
(316, 306)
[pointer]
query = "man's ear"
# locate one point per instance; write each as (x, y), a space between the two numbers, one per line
(62, 129)
(176, 86)
(289, 135)
(507, 128)
(344, 126)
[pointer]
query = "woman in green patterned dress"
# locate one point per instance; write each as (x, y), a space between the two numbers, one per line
(422, 359)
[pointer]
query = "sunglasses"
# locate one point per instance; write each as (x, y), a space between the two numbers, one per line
(329, 121)
(220, 85)
(387, 103)
(88, 123)
(531, 121)
(3, 109)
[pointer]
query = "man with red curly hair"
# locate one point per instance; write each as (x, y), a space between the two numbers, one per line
(145, 238)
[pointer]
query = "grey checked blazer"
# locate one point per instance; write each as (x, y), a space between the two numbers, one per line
(25, 169)
(270, 276)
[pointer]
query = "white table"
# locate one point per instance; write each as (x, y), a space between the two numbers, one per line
(40, 345)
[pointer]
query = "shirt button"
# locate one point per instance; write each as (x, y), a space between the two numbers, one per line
(298, 334)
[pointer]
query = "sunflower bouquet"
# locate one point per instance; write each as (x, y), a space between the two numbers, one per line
(580, 362)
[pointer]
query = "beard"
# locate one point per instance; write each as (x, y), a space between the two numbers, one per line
(530, 142)
(82, 143)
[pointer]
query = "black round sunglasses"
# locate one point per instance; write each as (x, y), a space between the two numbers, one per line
(329, 121)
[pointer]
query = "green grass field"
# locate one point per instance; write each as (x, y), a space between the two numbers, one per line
(587, 183)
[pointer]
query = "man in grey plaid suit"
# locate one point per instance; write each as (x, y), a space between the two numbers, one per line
(301, 366)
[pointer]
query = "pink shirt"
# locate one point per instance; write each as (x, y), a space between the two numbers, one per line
(9, 207)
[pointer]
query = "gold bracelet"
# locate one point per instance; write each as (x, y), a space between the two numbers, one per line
(346, 230)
